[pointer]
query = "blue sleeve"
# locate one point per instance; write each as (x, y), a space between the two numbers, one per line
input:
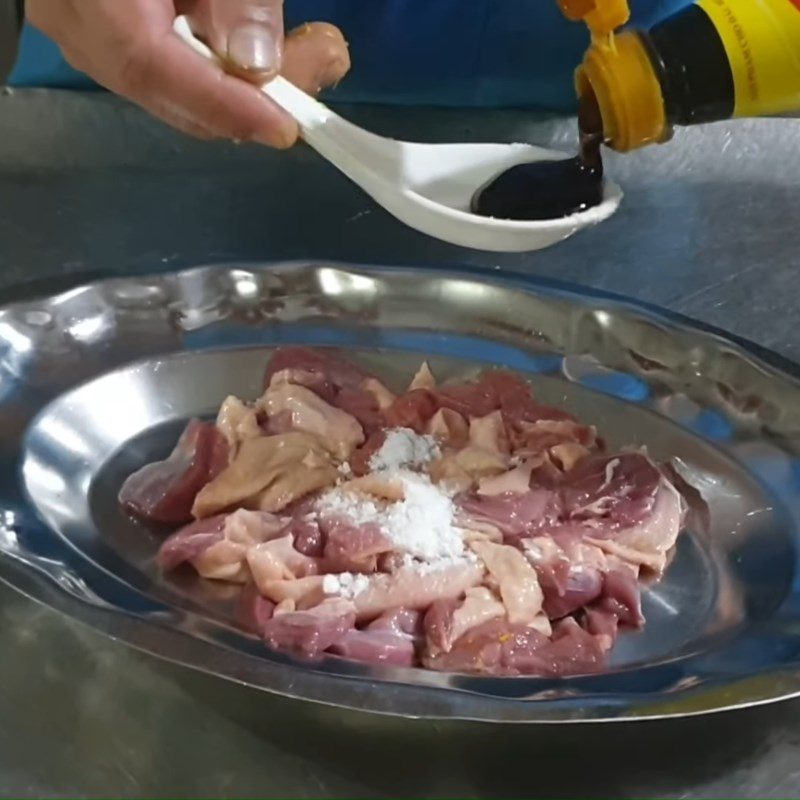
(422, 52)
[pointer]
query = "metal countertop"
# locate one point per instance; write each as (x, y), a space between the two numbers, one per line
(90, 187)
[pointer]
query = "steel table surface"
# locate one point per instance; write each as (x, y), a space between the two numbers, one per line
(90, 187)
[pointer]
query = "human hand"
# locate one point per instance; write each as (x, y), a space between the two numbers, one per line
(130, 48)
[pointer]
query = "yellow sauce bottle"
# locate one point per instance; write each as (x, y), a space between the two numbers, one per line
(713, 60)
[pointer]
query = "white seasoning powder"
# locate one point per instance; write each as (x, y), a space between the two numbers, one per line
(345, 585)
(404, 448)
(421, 525)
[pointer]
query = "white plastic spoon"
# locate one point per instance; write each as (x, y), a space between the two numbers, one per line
(426, 186)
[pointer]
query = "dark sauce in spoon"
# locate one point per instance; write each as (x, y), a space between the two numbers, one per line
(550, 189)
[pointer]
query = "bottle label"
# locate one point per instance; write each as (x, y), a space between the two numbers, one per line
(762, 40)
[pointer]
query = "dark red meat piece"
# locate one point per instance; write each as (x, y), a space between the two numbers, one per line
(190, 542)
(307, 633)
(359, 461)
(390, 639)
(622, 495)
(514, 515)
(164, 492)
(350, 547)
(332, 370)
(412, 410)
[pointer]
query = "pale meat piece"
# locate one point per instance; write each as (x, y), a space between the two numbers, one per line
(217, 547)
(376, 486)
(411, 589)
(337, 430)
(463, 469)
(278, 560)
(448, 620)
(303, 592)
(268, 474)
(544, 434)
(568, 454)
(383, 397)
(648, 543)
(516, 578)
(489, 433)
(237, 421)
(449, 428)
(424, 379)
(310, 632)
(515, 481)
(327, 365)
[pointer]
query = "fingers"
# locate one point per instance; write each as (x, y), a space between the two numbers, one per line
(316, 56)
(247, 33)
(170, 79)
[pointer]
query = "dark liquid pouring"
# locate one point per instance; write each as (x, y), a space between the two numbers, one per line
(550, 189)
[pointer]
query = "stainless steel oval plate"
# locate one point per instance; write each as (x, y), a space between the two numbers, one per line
(95, 382)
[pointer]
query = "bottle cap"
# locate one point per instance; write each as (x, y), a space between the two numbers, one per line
(628, 93)
(602, 17)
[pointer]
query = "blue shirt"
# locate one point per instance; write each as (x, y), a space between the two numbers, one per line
(424, 52)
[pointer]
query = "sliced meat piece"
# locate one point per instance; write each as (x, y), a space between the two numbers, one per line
(217, 547)
(488, 649)
(253, 527)
(303, 592)
(449, 428)
(164, 492)
(499, 648)
(649, 542)
(317, 361)
(384, 398)
(390, 639)
(622, 597)
(424, 378)
(309, 633)
(448, 620)
(516, 579)
(412, 410)
(350, 547)
(532, 438)
(254, 610)
(277, 560)
(337, 430)
(472, 399)
(619, 489)
(268, 474)
(515, 481)
(236, 422)
(223, 561)
(316, 381)
(571, 573)
(187, 543)
(514, 515)
(571, 651)
(363, 405)
(463, 469)
(411, 589)
(489, 433)
(568, 454)
(308, 538)
(360, 460)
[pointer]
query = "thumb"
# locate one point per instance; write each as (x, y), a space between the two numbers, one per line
(249, 33)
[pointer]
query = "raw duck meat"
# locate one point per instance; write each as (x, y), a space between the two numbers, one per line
(460, 527)
(165, 491)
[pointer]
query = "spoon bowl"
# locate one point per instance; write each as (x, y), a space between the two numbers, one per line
(428, 187)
